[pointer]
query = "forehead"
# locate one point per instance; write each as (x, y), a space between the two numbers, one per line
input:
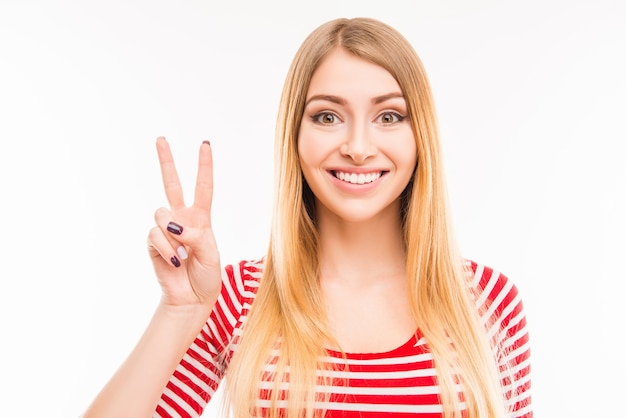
(344, 74)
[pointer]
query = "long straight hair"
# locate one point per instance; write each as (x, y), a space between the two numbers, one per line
(285, 317)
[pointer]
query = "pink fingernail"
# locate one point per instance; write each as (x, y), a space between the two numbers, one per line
(182, 253)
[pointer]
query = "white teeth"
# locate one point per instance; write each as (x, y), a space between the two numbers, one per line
(358, 178)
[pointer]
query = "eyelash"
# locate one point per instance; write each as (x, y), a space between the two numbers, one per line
(399, 117)
(316, 117)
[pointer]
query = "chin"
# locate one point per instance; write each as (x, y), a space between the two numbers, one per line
(364, 213)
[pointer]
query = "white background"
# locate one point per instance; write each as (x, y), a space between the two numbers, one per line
(531, 102)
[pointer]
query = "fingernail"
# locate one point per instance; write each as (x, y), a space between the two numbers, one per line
(206, 141)
(182, 253)
(175, 261)
(174, 228)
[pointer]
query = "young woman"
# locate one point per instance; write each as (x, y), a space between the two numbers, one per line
(362, 306)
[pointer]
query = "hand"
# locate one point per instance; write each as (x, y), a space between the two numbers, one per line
(182, 245)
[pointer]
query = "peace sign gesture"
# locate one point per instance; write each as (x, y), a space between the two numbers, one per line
(182, 245)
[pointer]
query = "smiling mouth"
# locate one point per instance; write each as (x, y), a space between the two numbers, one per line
(354, 178)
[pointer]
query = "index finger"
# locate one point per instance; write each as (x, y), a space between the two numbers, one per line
(204, 180)
(171, 182)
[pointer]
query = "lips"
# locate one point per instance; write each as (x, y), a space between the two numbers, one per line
(357, 178)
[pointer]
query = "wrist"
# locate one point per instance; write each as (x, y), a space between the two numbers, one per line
(187, 314)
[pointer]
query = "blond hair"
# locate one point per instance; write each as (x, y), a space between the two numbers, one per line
(286, 315)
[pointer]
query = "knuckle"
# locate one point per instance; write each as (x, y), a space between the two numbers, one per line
(160, 213)
(154, 234)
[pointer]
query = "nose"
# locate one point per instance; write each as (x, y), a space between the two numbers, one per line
(358, 145)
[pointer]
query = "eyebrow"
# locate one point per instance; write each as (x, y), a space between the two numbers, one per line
(385, 97)
(341, 101)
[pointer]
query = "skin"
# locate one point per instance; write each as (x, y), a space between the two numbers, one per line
(355, 122)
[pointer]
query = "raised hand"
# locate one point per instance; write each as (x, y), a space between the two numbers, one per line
(182, 245)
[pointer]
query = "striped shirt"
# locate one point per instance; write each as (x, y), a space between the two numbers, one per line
(398, 383)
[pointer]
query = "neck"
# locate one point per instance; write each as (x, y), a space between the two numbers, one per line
(361, 251)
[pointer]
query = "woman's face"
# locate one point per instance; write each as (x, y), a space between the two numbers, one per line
(356, 145)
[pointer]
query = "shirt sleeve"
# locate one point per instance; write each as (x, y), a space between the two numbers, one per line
(200, 371)
(503, 313)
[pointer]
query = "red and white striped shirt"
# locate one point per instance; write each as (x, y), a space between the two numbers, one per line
(398, 383)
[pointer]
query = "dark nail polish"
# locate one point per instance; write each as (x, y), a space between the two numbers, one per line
(174, 228)
(175, 261)
(206, 141)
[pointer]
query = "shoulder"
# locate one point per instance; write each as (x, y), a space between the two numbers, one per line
(497, 297)
(490, 284)
(249, 270)
(241, 280)
(500, 305)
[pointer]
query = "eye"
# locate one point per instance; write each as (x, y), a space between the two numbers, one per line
(388, 118)
(325, 118)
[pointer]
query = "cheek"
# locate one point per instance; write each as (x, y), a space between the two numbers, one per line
(311, 151)
(306, 155)
(405, 153)
(304, 151)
